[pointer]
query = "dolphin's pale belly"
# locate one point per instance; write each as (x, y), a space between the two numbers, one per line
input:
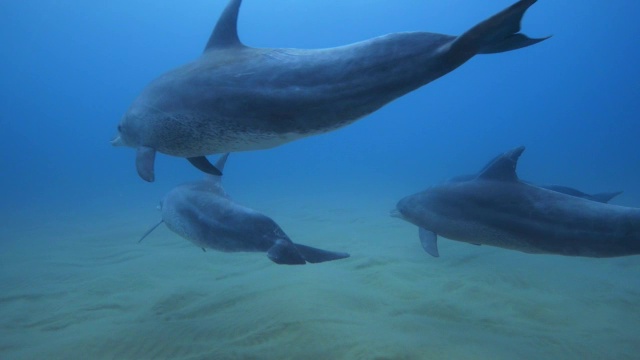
(239, 141)
(559, 231)
(474, 232)
(230, 142)
(547, 241)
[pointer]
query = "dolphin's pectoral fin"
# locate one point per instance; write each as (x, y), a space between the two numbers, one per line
(429, 241)
(285, 253)
(204, 165)
(314, 255)
(145, 158)
(203, 249)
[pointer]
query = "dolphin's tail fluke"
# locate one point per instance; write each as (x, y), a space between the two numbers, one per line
(499, 33)
(313, 255)
(284, 252)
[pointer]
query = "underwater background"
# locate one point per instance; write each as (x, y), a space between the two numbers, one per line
(74, 282)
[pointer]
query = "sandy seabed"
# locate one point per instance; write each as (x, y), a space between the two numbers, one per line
(78, 286)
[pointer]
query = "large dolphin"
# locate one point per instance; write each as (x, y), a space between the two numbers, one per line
(498, 209)
(238, 98)
(204, 214)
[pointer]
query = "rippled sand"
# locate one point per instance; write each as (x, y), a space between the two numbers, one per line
(77, 285)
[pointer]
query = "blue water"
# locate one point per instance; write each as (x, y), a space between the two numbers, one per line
(70, 69)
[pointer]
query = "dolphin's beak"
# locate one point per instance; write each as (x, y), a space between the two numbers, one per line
(397, 214)
(117, 141)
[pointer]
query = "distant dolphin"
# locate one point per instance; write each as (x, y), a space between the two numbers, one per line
(238, 98)
(498, 209)
(604, 197)
(204, 214)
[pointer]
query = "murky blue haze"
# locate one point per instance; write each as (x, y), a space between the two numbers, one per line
(69, 70)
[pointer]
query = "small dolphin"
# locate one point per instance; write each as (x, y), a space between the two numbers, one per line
(237, 98)
(604, 197)
(204, 214)
(498, 209)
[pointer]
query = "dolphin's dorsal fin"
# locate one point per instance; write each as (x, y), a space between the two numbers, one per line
(222, 160)
(225, 34)
(503, 168)
(215, 180)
